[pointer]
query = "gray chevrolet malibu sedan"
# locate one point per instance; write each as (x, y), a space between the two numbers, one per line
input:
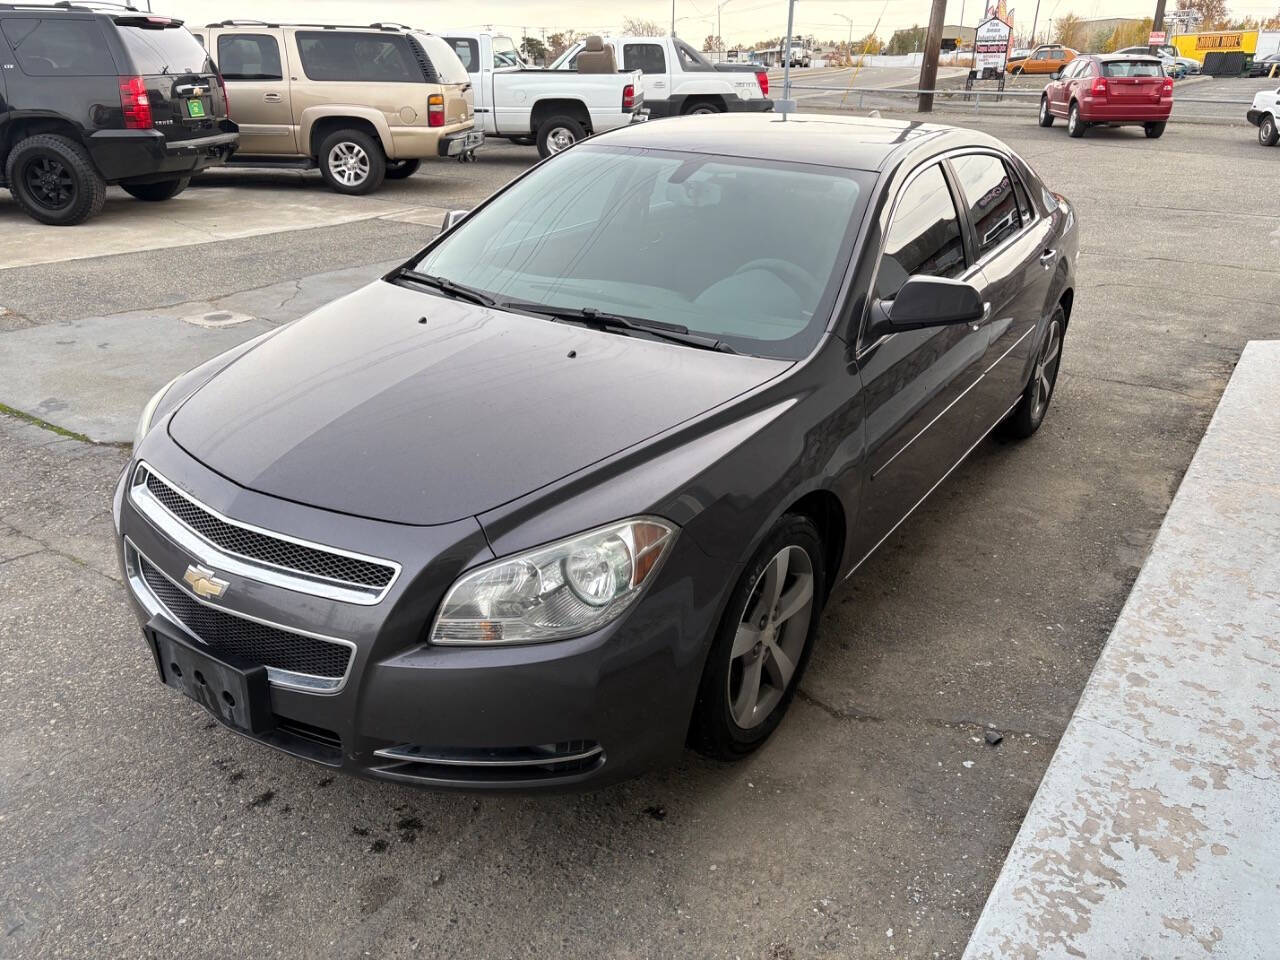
(568, 490)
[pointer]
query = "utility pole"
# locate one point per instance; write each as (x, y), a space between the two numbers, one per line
(1157, 22)
(932, 45)
(673, 17)
(1036, 17)
(720, 35)
(786, 55)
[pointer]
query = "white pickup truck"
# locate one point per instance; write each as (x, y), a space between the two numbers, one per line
(678, 79)
(528, 105)
(1264, 115)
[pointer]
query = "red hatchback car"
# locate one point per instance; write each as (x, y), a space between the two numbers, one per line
(1114, 90)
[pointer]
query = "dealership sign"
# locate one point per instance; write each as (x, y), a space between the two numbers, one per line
(1157, 38)
(991, 46)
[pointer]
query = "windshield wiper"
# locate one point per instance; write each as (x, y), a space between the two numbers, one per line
(458, 291)
(600, 320)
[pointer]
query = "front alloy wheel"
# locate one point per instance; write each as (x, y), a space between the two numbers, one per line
(771, 637)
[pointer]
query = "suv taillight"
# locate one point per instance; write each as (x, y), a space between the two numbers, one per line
(628, 97)
(135, 103)
(226, 100)
(1099, 88)
(762, 78)
(435, 110)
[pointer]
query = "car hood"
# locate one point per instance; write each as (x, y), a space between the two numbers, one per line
(399, 405)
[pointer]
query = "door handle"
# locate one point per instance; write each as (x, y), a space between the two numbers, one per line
(271, 98)
(1047, 258)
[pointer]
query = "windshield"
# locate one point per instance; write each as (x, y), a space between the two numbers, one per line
(169, 50)
(746, 251)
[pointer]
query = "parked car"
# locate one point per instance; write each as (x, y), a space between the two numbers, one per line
(1046, 58)
(90, 97)
(1265, 66)
(363, 104)
(543, 107)
(677, 79)
(1110, 89)
(612, 454)
(1263, 114)
(1174, 65)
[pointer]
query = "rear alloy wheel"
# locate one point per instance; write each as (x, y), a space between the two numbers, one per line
(1029, 413)
(352, 163)
(1154, 130)
(1046, 118)
(762, 644)
(703, 108)
(557, 134)
(156, 192)
(1267, 134)
(53, 180)
(402, 169)
(1075, 126)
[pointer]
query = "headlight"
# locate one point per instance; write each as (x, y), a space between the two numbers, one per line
(552, 593)
(149, 411)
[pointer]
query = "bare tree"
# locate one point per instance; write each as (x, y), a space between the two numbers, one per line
(558, 43)
(634, 27)
(1070, 31)
(1213, 13)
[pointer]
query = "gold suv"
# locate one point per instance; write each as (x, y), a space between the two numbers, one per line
(360, 103)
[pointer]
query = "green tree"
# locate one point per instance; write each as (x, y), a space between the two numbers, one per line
(1133, 34)
(1070, 31)
(908, 40)
(558, 43)
(870, 44)
(533, 49)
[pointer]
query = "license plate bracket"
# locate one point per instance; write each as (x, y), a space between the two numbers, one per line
(233, 690)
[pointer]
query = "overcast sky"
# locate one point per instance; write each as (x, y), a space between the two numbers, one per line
(744, 21)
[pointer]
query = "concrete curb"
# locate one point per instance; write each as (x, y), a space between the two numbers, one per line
(1152, 833)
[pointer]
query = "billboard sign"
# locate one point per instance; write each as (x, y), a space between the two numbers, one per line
(991, 46)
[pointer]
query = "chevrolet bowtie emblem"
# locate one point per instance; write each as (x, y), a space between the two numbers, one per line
(204, 582)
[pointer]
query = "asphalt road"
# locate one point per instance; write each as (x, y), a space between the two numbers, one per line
(872, 825)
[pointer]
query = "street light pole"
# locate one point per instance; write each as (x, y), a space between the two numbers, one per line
(719, 35)
(673, 17)
(786, 52)
(848, 20)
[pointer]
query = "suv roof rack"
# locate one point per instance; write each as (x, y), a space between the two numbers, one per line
(387, 27)
(86, 6)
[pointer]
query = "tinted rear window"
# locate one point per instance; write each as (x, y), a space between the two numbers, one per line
(449, 69)
(62, 47)
(171, 50)
(358, 57)
(1131, 68)
(467, 50)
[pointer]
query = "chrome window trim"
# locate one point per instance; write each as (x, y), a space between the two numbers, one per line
(289, 679)
(251, 568)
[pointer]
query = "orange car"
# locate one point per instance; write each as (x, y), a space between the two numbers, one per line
(1046, 58)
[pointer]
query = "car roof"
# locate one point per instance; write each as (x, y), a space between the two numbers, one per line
(853, 143)
(1110, 57)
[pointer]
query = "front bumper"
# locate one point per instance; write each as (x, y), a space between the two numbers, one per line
(1254, 117)
(142, 155)
(568, 714)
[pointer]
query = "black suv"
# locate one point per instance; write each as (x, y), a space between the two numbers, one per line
(92, 94)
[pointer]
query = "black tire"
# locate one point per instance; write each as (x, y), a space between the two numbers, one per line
(1267, 133)
(1075, 126)
(53, 180)
(352, 162)
(1046, 118)
(714, 731)
(156, 192)
(1154, 131)
(402, 169)
(1038, 393)
(702, 107)
(559, 133)
(1016, 72)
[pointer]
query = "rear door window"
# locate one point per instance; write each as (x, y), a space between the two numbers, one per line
(645, 57)
(988, 193)
(249, 56)
(357, 57)
(167, 50)
(466, 50)
(62, 47)
(924, 236)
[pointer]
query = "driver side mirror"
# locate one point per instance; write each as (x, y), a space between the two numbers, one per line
(927, 302)
(452, 219)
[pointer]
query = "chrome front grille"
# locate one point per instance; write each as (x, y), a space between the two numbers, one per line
(293, 659)
(219, 541)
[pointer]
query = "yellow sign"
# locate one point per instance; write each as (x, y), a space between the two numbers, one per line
(1220, 41)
